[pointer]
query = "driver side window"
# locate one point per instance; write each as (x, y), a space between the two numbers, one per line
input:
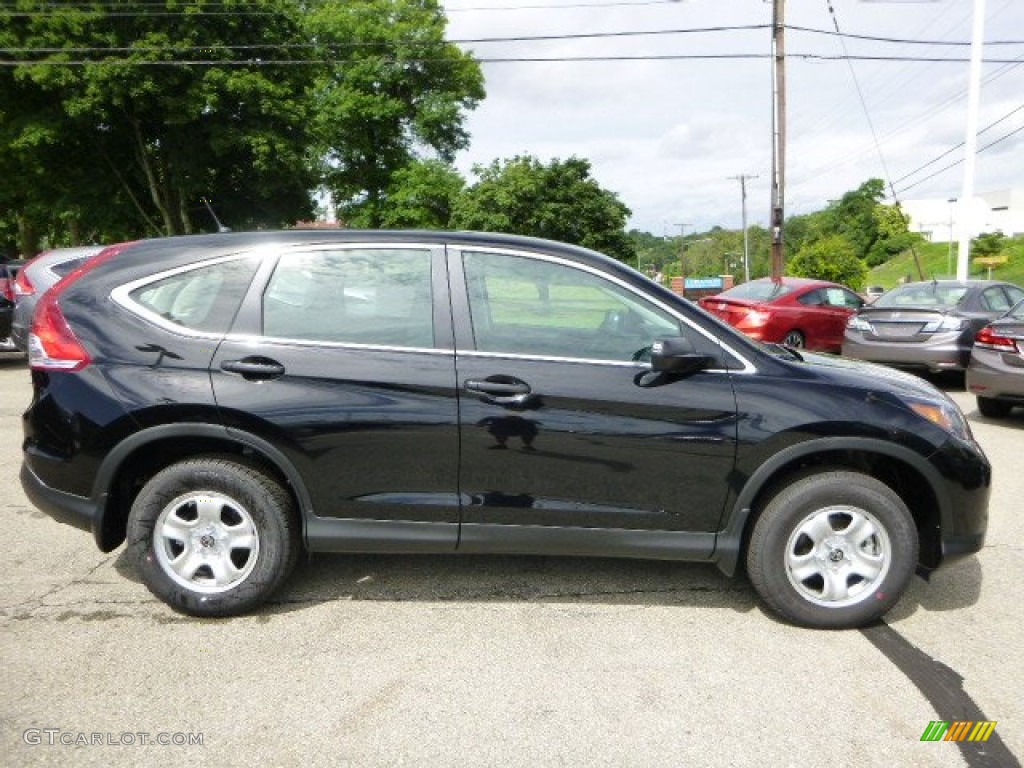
(526, 306)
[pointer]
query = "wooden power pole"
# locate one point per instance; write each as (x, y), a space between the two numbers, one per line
(778, 216)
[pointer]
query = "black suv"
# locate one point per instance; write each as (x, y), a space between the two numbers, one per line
(224, 402)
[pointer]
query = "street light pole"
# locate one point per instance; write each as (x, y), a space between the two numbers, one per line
(971, 140)
(949, 257)
(746, 243)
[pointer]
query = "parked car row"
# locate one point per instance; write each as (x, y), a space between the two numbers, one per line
(929, 326)
(23, 282)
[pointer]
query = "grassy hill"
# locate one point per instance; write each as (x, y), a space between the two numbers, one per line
(935, 263)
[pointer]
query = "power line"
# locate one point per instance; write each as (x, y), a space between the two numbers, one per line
(257, 62)
(951, 150)
(991, 144)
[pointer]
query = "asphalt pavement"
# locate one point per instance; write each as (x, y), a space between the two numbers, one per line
(498, 661)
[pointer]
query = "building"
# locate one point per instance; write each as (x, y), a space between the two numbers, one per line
(941, 219)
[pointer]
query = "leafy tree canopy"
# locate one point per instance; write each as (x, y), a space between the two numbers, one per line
(830, 258)
(116, 125)
(395, 91)
(559, 200)
(422, 195)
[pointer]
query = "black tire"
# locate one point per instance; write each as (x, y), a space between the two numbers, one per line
(794, 339)
(832, 550)
(994, 409)
(213, 536)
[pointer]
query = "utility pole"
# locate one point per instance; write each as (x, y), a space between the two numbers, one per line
(778, 216)
(742, 178)
(963, 256)
(682, 253)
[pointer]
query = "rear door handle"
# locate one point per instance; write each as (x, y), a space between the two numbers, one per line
(254, 368)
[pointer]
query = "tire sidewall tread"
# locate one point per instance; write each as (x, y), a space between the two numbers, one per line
(789, 506)
(268, 504)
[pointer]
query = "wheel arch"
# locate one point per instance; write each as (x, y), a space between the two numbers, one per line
(907, 473)
(136, 459)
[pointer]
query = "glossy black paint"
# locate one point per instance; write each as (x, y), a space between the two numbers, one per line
(443, 448)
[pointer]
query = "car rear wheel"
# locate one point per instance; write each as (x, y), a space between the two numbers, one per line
(994, 409)
(794, 339)
(833, 550)
(212, 536)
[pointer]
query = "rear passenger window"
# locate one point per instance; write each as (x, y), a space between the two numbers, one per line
(994, 300)
(201, 299)
(380, 297)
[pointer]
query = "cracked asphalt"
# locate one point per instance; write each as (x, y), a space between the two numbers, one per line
(506, 661)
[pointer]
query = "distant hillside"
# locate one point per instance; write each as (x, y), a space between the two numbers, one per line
(935, 263)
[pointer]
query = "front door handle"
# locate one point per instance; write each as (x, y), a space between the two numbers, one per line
(500, 390)
(254, 368)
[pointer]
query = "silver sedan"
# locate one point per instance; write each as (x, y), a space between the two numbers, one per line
(996, 371)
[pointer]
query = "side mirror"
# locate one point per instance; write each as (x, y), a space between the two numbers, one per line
(677, 354)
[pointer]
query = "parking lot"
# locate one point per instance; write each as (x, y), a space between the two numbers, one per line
(431, 660)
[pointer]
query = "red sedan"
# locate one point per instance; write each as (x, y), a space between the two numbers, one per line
(796, 312)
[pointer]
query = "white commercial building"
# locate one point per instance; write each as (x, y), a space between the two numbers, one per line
(941, 219)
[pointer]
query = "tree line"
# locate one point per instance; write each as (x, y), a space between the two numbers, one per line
(118, 123)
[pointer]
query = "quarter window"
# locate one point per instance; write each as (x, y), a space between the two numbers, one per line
(201, 299)
(359, 296)
(521, 305)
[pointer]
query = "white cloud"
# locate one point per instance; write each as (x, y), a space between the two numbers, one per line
(667, 135)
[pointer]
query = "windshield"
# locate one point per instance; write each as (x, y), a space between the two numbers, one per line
(1017, 313)
(758, 290)
(924, 295)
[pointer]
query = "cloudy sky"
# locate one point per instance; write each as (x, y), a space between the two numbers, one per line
(666, 134)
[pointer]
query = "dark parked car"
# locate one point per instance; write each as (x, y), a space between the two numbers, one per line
(929, 326)
(795, 311)
(8, 274)
(996, 372)
(33, 280)
(224, 402)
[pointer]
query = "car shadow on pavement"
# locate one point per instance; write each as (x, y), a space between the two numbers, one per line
(469, 578)
(507, 578)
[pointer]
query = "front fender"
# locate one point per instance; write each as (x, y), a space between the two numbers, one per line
(729, 540)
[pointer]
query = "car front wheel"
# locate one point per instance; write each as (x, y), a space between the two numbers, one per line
(833, 550)
(212, 536)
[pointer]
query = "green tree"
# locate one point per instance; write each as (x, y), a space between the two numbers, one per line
(988, 244)
(393, 90)
(830, 258)
(422, 195)
(123, 96)
(559, 201)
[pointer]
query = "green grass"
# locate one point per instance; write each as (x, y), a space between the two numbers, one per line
(935, 263)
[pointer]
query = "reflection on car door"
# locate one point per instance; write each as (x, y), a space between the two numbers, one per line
(561, 428)
(354, 373)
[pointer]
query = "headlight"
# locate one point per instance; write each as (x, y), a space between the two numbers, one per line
(944, 414)
(856, 323)
(946, 323)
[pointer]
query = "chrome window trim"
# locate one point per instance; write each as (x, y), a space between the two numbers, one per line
(248, 338)
(121, 295)
(460, 250)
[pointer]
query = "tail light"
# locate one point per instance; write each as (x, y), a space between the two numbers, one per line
(6, 290)
(52, 345)
(987, 338)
